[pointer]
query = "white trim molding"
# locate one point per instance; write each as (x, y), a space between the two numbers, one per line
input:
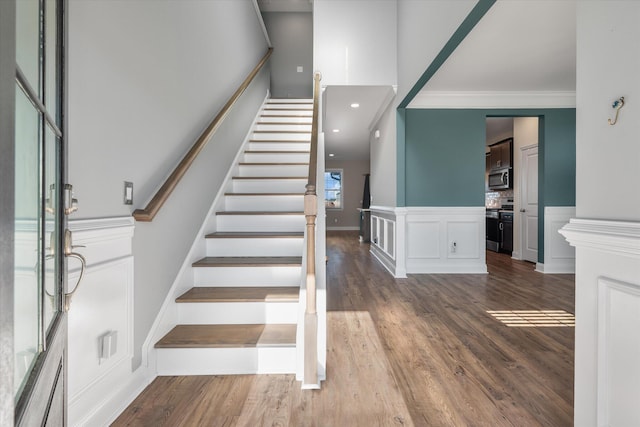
(559, 255)
(607, 343)
(494, 99)
(619, 237)
(100, 388)
(422, 240)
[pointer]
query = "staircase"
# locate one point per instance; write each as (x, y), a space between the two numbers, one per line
(240, 316)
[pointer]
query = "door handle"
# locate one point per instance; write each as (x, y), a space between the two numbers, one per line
(523, 210)
(69, 253)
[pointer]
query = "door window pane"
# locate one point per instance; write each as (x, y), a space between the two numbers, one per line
(51, 46)
(28, 40)
(27, 243)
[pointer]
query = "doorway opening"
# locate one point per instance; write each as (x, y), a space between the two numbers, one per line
(511, 186)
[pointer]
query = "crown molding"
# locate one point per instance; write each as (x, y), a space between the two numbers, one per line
(494, 99)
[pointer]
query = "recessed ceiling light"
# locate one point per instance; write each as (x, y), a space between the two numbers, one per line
(355, 105)
(331, 154)
(336, 130)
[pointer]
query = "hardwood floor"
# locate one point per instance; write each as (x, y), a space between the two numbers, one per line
(420, 351)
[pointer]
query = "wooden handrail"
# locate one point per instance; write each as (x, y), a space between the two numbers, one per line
(310, 378)
(149, 212)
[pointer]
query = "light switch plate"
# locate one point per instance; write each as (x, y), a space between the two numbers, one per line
(300, 68)
(128, 193)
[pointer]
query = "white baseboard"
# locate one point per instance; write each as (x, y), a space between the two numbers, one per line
(104, 412)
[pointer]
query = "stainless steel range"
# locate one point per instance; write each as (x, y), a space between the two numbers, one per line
(499, 229)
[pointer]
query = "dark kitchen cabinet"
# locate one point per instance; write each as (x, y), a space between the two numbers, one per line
(501, 154)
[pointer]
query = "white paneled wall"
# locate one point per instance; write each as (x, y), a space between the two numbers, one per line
(559, 256)
(99, 387)
(429, 239)
(607, 321)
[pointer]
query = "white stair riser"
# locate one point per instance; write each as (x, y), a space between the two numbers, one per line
(273, 170)
(275, 157)
(293, 106)
(257, 223)
(247, 276)
(289, 246)
(279, 146)
(269, 186)
(279, 126)
(279, 113)
(292, 120)
(302, 136)
(264, 203)
(226, 361)
(239, 313)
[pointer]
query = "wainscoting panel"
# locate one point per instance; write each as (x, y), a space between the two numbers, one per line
(445, 240)
(102, 305)
(618, 353)
(607, 345)
(559, 255)
(429, 239)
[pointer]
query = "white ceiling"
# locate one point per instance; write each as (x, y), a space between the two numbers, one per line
(354, 124)
(517, 46)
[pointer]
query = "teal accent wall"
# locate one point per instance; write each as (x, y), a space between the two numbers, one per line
(441, 158)
(444, 158)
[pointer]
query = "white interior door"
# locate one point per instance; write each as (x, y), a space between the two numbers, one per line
(529, 206)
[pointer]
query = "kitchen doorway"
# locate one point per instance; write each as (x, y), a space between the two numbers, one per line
(523, 133)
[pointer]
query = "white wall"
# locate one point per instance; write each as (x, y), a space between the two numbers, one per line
(353, 187)
(144, 79)
(606, 233)
(608, 67)
(383, 164)
(355, 42)
(423, 29)
(291, 34)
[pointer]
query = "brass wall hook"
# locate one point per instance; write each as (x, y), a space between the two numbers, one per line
(617, 104)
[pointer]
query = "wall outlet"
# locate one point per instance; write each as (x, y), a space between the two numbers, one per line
(454, 247)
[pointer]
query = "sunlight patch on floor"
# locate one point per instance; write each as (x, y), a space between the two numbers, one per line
(534, 318)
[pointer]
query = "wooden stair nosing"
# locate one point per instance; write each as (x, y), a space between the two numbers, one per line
(287, 116)
(277, 261)
(276, 151)
(260, 213)
(282, 123)
(270, 177)
(229, 336)
(255, 235)
(282, 131)
(272, 164)
(295, 141)
(263, 194)
(240, 294)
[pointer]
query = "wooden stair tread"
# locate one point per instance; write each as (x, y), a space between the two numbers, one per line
(270, 177)
(229, 336)
(286, 116)
(236, 261)
(279, 152)
(253, 235)
(264, 194)
(260, 213)
(295, 141)
(240, 294)
(273, 164)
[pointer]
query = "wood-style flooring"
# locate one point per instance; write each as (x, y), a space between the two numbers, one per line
(421, 351)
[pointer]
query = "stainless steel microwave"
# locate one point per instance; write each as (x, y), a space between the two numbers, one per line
(500, 179)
